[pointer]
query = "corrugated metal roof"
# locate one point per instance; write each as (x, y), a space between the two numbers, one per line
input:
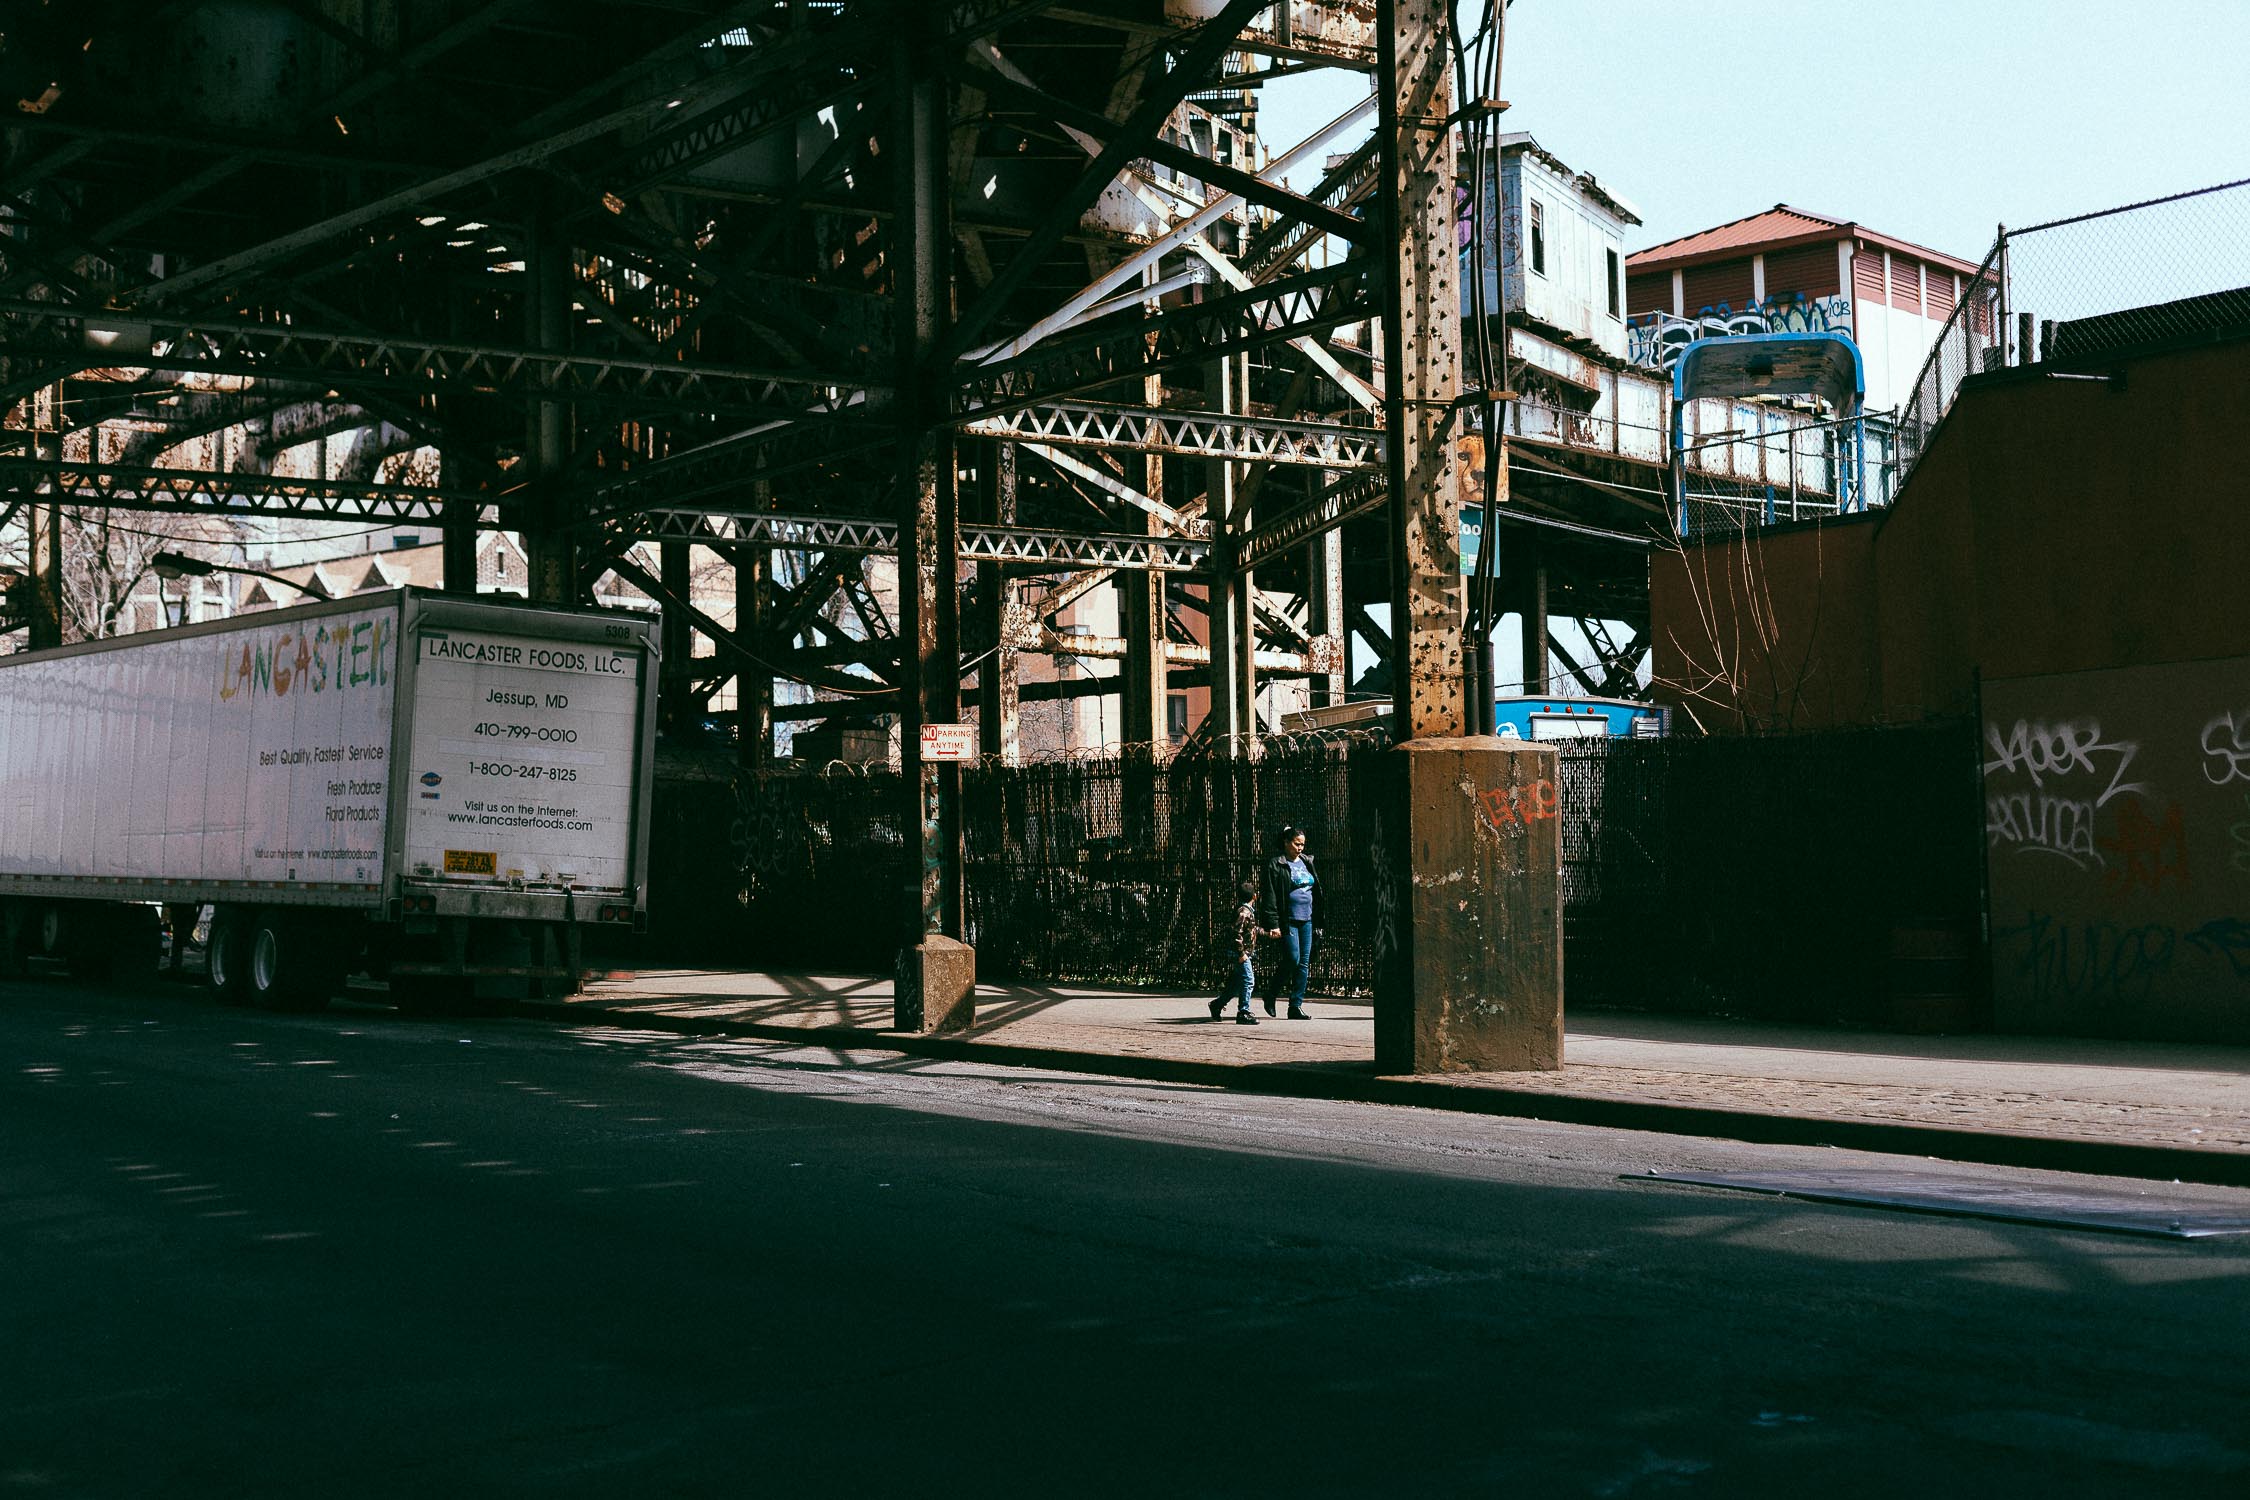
(1777, 225)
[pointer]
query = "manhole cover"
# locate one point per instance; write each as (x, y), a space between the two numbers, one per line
(1922, 1193)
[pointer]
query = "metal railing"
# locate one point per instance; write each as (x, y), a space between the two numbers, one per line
(2076, 288)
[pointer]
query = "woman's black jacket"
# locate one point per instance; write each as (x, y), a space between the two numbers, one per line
(1273, 892)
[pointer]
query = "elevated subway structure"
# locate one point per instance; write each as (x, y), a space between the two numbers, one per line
(925, 320)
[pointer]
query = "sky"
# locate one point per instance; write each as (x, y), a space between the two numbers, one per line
(1934, 122)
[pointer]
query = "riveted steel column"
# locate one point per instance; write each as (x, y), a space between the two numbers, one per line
(552, 551)
(1464, 843)
(675, 706)
(1224, 591)
(1422, 365)
(41, 595)
(937, 970)
(753, 684)
(1535, 680)
(1324, 571)
(1147, 678)
(999, 701)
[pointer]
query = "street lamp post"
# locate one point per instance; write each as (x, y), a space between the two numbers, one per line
(176, 565)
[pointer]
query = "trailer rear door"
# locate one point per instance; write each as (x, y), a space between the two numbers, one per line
(524, 758)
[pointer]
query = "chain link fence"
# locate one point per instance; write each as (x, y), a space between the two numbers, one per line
(1762, 875)
(2078, 288)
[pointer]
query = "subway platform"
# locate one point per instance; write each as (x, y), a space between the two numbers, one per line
(2136, 1109)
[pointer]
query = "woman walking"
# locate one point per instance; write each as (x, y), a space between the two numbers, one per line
(1291, 902)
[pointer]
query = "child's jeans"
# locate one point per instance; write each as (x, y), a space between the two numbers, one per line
(1245, 983)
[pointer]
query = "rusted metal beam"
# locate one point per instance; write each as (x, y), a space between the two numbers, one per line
(1172, 74)
(1422, 355)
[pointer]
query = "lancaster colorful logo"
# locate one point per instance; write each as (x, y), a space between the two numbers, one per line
(333, 654)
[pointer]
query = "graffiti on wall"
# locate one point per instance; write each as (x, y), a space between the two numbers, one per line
(1656, 339)
(2117, 831)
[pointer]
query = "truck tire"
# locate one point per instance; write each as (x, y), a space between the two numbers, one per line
(284, 968)
(229, 956)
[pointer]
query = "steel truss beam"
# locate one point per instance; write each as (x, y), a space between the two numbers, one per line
(212, 492)
(1193, 335)
(408, 366)
(1319, 217)
(1171, 73)
(1283, 242)
(1155, 554)
(1018, 544)
(1196, 434)
(794, 80)
(1337, 504)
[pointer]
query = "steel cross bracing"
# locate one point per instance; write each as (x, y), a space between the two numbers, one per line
(1193, 335)
(800, 78)
(78, 339)
(202, 491)
(979, 543)
(1324, 445)
(1342, 502)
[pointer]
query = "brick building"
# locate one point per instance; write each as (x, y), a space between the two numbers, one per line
(1787, 270)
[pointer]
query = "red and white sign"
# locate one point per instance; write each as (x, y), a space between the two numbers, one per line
(949, 742)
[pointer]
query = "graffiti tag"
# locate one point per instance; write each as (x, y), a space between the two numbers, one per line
(2148, 850)
(2037, 823)
(2227, 938)
(1510, 806)
(1657, 339)
(1386, 893)
(2096, 961)
(2226, 748)
(2044, 751)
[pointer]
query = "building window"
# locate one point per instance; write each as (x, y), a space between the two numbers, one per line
(1616, 297)
(1175, 716)
(1538, 238)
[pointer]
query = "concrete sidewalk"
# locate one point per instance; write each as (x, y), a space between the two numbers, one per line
(2123, 1108)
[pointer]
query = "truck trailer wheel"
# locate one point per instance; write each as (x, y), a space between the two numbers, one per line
(229, 956)
(284, 966)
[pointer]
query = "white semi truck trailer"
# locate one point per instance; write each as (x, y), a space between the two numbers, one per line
(443, 789)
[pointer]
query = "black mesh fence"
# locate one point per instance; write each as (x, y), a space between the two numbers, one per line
(1775, 876)
(1762, 876)
(2077, 288)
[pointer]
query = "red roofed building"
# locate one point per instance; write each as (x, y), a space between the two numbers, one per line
(1787, 270)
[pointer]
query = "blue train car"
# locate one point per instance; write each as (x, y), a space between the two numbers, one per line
(1580, 719)
(1517, 718)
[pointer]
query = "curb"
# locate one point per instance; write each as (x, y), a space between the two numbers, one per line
(1355, 1086)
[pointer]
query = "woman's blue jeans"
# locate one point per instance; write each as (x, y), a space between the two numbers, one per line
(1298, 940)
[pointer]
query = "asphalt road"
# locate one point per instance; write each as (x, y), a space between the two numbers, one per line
(354, 1254)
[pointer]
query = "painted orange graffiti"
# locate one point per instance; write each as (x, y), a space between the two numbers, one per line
(2147, 851)
(1509, 806)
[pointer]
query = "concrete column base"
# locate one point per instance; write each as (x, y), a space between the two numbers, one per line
(1468, 945)
(937, 986)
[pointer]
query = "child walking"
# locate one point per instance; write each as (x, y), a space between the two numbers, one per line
(1242, 957)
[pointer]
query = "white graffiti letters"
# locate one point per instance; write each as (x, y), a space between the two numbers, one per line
(2047, 752)
(2036, 823)
(2226, 748)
